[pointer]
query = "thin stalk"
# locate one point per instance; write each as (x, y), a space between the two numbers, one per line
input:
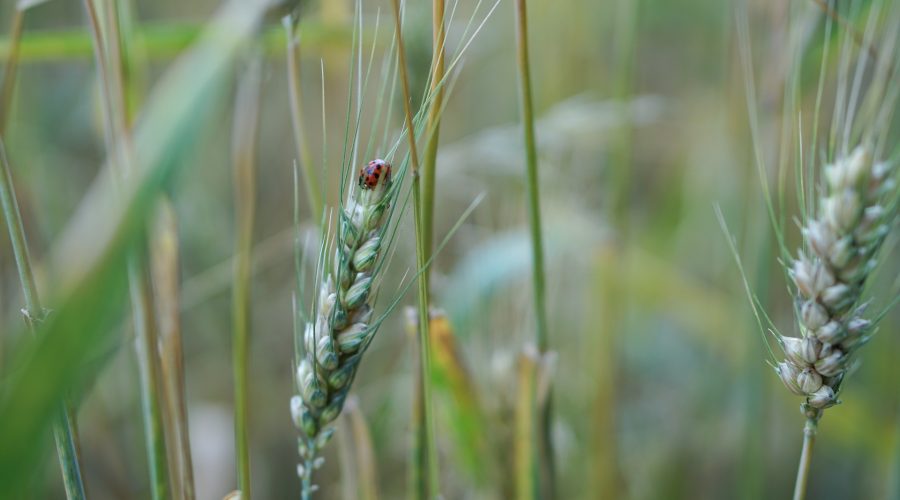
(148, 364)
(433, 126)
(107, 53)
(423, 429)
(9, 69)
(534, 205)
(809, 438)
(417, 480)
(534, 217)
(246, 119)
(164, 259)
(526, 467)
(63, 424)
(310, 177)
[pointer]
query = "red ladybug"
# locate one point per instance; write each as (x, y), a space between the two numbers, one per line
(370, 174)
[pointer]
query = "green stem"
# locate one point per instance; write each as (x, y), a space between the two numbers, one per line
(418, 479)
(148, 366)
(67, 449)
(240, 355)
(809, 438)
(423, 429)
(295, 98)
(63, 427)
(433, 126)
(534, 217)
(534, 204)
(33, 308)
(246, 120)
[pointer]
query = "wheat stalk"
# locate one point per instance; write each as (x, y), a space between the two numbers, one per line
(337, 335)
(856, 210)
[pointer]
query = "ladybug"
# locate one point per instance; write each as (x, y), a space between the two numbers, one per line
(370, 174)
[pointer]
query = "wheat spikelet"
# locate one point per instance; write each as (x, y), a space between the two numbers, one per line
(337, 334)
(856, 210)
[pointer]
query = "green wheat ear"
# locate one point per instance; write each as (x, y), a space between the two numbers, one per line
(337, 335)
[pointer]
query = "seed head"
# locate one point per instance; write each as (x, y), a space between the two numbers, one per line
(340, 330)
(841, 246)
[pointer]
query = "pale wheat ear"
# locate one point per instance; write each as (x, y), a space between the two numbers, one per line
(847, 194)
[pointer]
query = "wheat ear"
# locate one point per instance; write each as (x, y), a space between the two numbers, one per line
(856, 210)
(340, 330)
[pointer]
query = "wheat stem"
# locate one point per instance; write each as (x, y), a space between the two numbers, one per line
(425, 457)
(809, 438)
(436, 94)
(423, 424)
(534, 216)
(534, 204)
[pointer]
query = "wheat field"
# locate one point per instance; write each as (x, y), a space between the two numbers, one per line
(458, 249)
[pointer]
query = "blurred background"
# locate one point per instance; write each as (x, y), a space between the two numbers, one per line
(660, 384)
